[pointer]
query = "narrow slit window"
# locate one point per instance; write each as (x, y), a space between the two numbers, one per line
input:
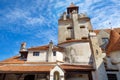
(54, 53)
(82, 26)
(68, 38)
(84, 38)
(69, 27)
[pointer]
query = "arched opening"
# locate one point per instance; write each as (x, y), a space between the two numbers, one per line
(29, 77)
(56, 75)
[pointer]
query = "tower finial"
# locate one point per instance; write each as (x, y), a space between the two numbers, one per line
(72, 5)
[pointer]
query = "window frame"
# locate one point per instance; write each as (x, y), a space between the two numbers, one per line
(54, 53)
(112, 76)
(36, 53)
(105, 39)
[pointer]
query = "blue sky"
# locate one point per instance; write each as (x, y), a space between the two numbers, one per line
(35, 21)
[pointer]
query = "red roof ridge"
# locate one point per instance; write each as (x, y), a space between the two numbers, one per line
(73, 40)
(44, 47)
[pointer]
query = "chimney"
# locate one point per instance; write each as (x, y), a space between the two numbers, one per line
(64, 16)
(23, 47)
(50, 46)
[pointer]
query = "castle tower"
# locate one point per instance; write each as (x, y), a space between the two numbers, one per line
(80, 42)
(74, 35)
(73, 26)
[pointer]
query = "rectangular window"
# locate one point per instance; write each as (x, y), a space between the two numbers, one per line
(85, 38)
(36, 53)
(54, 53)
(82, 26)
(112, 76)
(69, 27)
(68, 38)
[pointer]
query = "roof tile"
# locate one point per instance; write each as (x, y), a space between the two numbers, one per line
(113, 42)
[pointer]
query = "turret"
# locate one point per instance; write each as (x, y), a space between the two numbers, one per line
(23, 51)
(23, 47)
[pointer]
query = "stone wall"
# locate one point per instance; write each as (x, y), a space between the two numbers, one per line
(78, 52)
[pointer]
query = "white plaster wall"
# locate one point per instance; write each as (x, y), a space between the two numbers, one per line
(58, 57)
(102, 34)
(100, 72)
(63, 32)
(80, 32)
(115, 58)
(40, 58)
(78, 52)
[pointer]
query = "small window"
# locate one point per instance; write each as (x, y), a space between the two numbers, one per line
(105, 40)
(69, 27)
(82, 26)
(54, 53)
(91, 31)
(84, 38)
(68, 38)
(112, 76)
(97, 52)
(36, 53)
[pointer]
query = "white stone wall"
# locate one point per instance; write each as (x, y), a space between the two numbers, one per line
(115, 58)
(43, 56)
(100, 72)
(102, 34)
(58, 57)
(78, 52)
(76, 32)
(63, 32)
(40, 58)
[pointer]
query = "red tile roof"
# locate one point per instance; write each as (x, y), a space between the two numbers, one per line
(107, 30)
(40, 68)
(14, 65)
(13, 68)
(17, 60)
(76, 67)
(13, 60)
(73, 40)
(114, 42)
(46, 47)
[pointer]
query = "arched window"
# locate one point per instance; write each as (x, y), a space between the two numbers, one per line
(56, 75)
